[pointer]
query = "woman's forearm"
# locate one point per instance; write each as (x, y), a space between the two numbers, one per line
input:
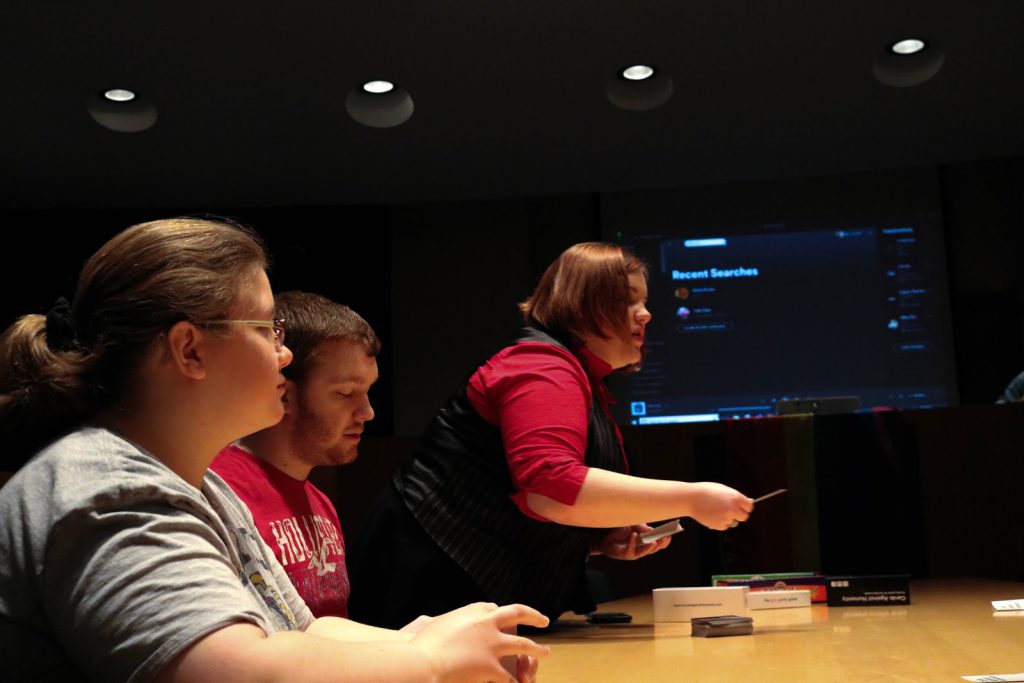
(610, 499)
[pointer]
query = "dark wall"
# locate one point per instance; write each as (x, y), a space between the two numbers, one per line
(459, 272)
(440, 282)
(501, 247)
(341, 253)
(983, 203)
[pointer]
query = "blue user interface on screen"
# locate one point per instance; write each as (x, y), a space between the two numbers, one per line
(746, 320)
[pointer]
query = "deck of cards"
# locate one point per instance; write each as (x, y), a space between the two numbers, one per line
(726, 625)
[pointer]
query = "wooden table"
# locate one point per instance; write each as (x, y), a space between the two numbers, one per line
(949, 631)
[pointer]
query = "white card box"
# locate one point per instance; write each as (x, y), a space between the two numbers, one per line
(777, 599)
(683, 604)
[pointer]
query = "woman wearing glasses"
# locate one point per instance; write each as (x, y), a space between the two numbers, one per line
(121, 557)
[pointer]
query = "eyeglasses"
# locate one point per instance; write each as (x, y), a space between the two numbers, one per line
(277, 325)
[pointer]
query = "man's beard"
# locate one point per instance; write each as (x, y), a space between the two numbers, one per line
(316, 441)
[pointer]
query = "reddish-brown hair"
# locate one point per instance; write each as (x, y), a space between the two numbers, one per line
(585, 291)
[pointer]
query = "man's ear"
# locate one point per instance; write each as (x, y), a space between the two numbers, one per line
(186, 345)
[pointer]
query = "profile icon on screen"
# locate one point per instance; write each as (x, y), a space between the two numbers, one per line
(682, 292)
(682, 312)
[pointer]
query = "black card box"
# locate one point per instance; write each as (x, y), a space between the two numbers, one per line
(845, 591)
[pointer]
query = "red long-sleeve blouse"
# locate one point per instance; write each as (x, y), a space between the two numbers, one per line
(540, 396)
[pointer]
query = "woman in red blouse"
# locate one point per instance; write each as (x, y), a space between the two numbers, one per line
(522, 474)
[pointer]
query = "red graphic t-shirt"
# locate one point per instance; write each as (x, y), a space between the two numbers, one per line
(300, 525)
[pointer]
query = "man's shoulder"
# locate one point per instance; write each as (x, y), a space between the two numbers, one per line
(233, 461)
(245, 473)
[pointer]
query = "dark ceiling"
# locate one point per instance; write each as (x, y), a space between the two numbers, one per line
(509, 96)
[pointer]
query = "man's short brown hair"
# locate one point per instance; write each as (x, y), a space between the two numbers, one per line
(310, 319)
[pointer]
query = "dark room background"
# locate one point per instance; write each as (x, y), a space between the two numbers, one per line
(931, 493)
(440, 281)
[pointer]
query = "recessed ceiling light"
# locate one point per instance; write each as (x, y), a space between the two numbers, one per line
(121, 110)
(907, 46)
(379, 104)
(378, 87)
(637, 72)
(119, 95)
(909, 62)
(639, 88)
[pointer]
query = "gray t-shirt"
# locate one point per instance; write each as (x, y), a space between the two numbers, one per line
(111, 564)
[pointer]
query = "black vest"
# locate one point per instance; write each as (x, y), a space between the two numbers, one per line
(457, 486)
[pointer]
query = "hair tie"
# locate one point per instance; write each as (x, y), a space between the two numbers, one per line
(60, 327)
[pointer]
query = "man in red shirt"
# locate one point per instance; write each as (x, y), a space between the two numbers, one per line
(326, 406)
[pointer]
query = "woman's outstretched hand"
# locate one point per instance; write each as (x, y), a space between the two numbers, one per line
(719, 507)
